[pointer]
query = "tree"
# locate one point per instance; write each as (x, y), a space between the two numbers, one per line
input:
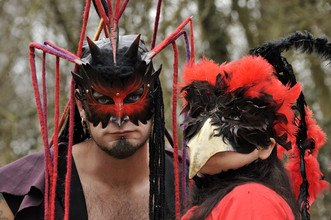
(224, 30)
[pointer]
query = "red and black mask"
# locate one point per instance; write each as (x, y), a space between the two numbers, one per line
(116, 91)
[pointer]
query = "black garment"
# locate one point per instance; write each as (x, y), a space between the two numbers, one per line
(24, 192)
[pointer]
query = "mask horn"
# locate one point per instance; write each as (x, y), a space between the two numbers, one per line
(133, 50)
(94, 49)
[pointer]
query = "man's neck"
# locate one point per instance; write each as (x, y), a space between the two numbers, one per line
(113, 187)
(92, 161)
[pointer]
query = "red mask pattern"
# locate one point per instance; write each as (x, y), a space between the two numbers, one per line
(118, 100)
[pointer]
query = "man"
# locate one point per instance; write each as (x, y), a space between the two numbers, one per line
(118, 111)
(113, 162)
(119, 169)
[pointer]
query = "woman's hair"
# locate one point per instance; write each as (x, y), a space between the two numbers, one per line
(210, 189)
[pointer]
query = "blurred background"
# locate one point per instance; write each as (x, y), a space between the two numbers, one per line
(223, 30)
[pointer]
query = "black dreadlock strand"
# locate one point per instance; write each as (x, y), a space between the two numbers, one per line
(157, 153)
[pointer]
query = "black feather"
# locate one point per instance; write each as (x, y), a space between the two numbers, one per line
(244, 122)
(307, 43)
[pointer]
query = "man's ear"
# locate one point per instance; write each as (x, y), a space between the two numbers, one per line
(264, 153)
(80, 106)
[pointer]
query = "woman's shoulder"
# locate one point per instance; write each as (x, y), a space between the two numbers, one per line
(253, 200)
(253, 188)
(254, 194)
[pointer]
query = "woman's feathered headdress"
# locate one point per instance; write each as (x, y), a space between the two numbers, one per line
(255, 98)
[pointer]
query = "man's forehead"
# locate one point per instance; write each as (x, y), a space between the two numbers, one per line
(118, 86)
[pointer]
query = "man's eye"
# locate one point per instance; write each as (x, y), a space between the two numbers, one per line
(134, 97)
(102, 99)
(105, 100)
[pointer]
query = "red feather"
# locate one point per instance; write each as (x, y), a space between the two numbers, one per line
(314, 131)
(293, 166)
(314, 177)
(280, 152)
(204, 70)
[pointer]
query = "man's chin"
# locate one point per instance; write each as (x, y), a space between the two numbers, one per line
(122, 149)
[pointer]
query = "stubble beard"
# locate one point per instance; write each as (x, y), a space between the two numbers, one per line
(122, 149)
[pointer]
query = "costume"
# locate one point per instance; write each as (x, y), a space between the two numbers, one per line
(115, 81)
(24, 191)
(247, 105)
(250, 199)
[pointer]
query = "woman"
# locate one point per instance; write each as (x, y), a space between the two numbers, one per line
(239, 115)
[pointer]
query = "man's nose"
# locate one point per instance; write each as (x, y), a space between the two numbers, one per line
(119, 121)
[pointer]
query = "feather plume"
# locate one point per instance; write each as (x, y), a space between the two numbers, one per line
(314, 176)
(244, 97)
(204, 70)
(307, 43)
(314, 132)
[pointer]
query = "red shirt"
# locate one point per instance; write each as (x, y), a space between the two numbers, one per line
(249, 201)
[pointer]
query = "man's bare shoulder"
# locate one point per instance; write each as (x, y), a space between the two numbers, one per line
(5, 212)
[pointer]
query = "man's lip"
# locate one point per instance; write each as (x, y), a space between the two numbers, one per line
(121, 132)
